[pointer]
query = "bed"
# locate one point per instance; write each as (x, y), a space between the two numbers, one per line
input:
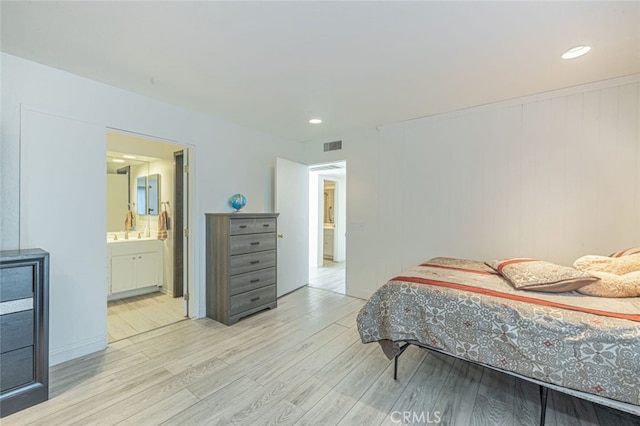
(585, 346)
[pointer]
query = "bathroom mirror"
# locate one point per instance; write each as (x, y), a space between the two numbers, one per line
(153, 194)
(141, 191)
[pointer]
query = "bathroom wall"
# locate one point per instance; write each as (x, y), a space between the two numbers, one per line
(116, 201)
(165, 169)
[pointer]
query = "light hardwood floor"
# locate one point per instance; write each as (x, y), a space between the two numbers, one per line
(139, 314)
(330, 276)
(302, 363)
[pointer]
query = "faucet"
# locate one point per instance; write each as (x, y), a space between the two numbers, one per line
(115, 237)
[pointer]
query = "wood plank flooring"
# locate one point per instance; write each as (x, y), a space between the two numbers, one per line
(330, 276)
(139, 314)
(303, 364)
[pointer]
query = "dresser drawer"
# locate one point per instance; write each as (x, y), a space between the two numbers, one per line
(267, 224)
(240, 244)
(16, 282)
(252, 226)
(241, 226)
(252, 280)
(17, 331)
(251, 262)
(252, 299)
(16, 368)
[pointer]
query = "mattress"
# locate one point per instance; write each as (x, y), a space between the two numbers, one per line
(464, 308)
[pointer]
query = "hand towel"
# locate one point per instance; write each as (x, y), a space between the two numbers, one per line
(163, 220)
(129, 220)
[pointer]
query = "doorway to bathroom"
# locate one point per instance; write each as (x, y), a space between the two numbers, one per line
(327, 226)
(147, 211)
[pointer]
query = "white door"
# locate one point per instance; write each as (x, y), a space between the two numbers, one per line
(292, 202)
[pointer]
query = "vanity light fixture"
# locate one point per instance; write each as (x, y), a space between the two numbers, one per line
(130, 157)
(117, 160)
(315, 121)
(575, 52)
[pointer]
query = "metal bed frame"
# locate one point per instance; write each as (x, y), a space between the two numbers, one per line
(544, 387)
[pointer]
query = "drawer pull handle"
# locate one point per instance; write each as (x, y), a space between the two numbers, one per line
(255, 281)
(255, 243)
(253, 262)
(266, 225)
(243, 226)
(255, 298)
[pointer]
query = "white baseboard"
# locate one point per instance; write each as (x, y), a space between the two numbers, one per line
(60, 355)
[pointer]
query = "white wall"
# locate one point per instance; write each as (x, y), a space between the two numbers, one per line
(553, 176)
(214, 143)
(315, 215)
(165, 169)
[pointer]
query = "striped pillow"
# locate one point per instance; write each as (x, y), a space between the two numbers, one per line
(538, 275)
(626, 252)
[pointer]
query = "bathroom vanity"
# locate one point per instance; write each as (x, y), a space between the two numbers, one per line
(134, 267)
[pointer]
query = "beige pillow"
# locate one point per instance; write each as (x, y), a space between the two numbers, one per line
(612, 285)
(538, 275)
(615, 265)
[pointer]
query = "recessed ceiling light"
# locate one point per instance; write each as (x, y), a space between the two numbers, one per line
(117, 160)
(575, 52)
(130, 157)
(315, 121)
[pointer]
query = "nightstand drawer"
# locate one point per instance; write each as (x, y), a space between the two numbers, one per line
(17, 331)
(252, 299)
(240, 244)
(251, 262)
(252, 280)
(17, 368)
(16, 283)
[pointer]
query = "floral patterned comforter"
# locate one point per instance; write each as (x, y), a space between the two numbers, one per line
(571, 348)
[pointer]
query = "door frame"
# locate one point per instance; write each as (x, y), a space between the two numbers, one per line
(316, 211)
(190, 284)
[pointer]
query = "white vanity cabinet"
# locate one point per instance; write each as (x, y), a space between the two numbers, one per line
(135, 267)
(328, 243)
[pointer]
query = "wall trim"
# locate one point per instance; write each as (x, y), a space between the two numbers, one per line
(572, 90)
(86, 347)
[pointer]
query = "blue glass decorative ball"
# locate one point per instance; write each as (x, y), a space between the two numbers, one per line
(238, 201)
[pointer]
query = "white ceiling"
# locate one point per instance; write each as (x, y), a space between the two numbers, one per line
(273, 65)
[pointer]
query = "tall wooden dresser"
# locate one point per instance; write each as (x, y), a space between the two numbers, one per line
(241, 264)
(24, 329)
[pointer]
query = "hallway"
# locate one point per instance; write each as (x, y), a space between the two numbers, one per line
(330, 276)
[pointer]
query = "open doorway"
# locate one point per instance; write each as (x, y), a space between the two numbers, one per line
(146, 214)
(327, 226)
